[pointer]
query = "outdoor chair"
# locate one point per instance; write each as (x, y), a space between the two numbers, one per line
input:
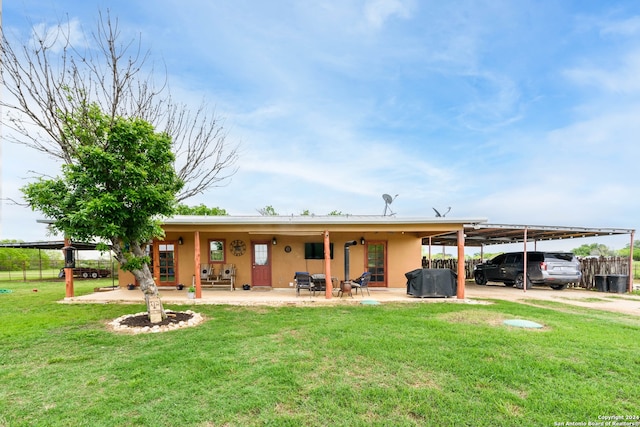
(362, 283)
(303, 280)
(319, 283)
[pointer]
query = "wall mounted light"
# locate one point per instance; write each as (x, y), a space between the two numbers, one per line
(180, 241)
(274, 241)
(362, 240)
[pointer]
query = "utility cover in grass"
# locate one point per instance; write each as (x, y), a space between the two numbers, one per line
(522, 323)
(369, 302)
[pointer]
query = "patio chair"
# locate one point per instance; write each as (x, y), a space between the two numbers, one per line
(303, 280)
(362, 283)
(319, 283)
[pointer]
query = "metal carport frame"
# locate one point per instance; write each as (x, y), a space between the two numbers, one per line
(480, 235)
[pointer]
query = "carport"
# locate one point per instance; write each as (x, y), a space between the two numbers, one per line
(52, 245)
(482, 234)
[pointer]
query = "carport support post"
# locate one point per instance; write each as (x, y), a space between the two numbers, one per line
(524, 279)
(68, 272)
(631, 262)
(328, 289)
(196, 248)
(461, 269)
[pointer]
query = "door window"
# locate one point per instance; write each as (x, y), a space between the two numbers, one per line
(376, 263)
(166, 263)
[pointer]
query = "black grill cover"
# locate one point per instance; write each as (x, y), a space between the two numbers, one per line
(431, 282)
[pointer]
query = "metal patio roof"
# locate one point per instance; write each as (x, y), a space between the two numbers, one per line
(55, 244)
(496, 234)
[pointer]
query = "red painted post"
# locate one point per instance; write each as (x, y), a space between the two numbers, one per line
(524, 278)
(328, 292)
(68, 273)
(631, 262)
(461, 270)
(196, 248)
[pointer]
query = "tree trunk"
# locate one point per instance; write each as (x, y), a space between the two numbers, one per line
(148, 287)
(143, 275)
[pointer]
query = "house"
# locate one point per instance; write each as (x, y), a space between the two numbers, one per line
(266, 251)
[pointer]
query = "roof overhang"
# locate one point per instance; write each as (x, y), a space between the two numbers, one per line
(313, 224)
(496, 234)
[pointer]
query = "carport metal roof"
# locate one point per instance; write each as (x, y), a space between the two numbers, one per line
(56, 244)
(495, 234)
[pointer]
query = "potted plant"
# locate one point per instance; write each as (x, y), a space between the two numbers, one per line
(191, 292)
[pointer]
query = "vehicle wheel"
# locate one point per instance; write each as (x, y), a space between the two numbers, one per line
(94, 275)
(558, 287)
(480, 278)
(520, 281)
(85, 275)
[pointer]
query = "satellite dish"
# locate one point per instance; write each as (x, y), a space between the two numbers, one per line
(438, 215)
(387, 201)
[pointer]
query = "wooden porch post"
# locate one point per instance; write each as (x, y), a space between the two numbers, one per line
(68, 273)
(461, 269)
(328, 293)
(631, 262)
(196, 249)
(524, 279)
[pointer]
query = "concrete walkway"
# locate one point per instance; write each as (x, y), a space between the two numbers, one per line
(622, 303)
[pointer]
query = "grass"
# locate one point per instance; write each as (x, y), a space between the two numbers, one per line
(392, 364)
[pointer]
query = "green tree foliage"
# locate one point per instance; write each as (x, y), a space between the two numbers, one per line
(120, 183)
(268, 211)
(636, 250)
(201, 210)
(19, 259)
(593, 249)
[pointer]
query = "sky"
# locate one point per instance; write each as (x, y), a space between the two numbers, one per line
(519, 112)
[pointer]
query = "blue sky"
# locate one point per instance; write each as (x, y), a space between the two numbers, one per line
(521, 112)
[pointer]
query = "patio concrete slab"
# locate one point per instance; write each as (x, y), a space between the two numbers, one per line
(622, 303)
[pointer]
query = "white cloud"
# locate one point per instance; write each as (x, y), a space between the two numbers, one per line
(377, 12)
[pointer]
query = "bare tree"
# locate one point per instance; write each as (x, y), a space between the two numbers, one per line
(56, 80)
(55, 74)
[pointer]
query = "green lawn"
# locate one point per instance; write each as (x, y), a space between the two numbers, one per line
(393, 364)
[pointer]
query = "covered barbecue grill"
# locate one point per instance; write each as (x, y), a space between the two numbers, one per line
(431, 282)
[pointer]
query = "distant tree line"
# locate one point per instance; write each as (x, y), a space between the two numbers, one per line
(18, 259)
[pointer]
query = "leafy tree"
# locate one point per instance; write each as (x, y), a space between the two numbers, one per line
(201, 209)
(268, 211)
(636, 250)
(593, 249)
(82, 103)
(121, 181)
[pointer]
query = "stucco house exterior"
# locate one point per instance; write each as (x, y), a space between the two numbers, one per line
(266, 251)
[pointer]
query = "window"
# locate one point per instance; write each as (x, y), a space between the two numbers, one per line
(316, 250)
(216, 251)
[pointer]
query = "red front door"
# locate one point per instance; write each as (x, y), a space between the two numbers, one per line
(261, 263)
